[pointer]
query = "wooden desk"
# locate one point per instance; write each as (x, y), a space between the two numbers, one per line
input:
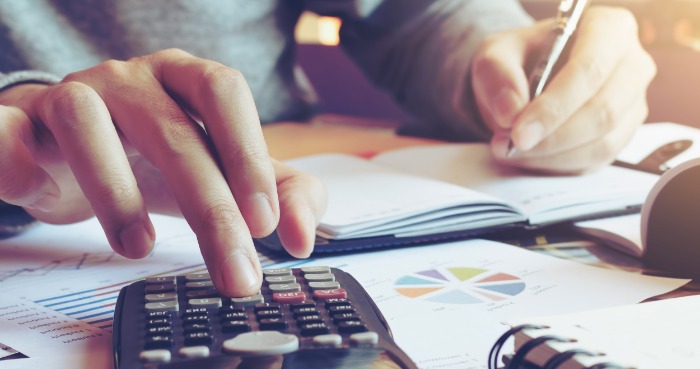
(331, 133)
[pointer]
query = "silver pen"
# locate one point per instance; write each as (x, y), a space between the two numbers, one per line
(568, 16)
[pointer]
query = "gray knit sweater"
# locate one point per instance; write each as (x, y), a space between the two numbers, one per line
(418, 50)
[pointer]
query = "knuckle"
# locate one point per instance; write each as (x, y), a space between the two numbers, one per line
(607, 115)
(13, 190)
(171, 53)
(72, 99)
(221, 216)
(217, 78)
(118, 193)
(590, 70)
(250, 155)
(179, 137)
(111, 67)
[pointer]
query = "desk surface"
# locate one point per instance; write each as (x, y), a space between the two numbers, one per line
(330, 133)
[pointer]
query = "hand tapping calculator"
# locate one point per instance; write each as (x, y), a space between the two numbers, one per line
(314, 317)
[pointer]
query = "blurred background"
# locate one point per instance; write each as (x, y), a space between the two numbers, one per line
(669, 30)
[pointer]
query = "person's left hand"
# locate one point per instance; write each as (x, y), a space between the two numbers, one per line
(587, 112)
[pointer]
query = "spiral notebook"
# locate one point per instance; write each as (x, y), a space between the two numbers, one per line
(653, 335)
(434, 193)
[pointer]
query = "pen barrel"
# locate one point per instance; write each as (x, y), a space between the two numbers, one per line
(555, 44)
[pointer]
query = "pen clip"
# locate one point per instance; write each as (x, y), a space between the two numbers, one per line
(569, 13)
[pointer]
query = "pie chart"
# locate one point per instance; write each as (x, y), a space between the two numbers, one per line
(459, 285)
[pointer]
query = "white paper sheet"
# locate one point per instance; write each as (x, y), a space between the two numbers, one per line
(51, 266)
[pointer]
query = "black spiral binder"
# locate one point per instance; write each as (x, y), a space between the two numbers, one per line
(517, 361)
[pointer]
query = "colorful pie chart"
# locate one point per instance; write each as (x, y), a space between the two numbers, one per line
(459, 285)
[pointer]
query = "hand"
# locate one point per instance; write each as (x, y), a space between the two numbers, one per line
(123, 137)
(589, 110)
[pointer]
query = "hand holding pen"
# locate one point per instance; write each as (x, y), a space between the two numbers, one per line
(576, 118)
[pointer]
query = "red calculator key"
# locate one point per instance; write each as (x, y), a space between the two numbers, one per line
(338, 293)
(289, 297)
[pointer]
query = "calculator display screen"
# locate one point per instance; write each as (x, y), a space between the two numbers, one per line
(321, 358)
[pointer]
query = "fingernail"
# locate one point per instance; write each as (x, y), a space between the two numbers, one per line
(530, 135)
(45, 203)
(134, 240)
(505, 106)
(238, 273)
(262, 215)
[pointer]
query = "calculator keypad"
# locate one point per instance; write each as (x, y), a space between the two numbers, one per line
(185, 317)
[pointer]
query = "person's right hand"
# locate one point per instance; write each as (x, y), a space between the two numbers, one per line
(74, 149)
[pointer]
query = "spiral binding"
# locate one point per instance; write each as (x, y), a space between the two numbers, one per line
(519, 356)
(553, 363)
(557, 360)
(496, 348)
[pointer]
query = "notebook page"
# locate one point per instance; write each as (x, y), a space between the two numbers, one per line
(651, 136)
(543, 198)
(362, 194)
(659, 334)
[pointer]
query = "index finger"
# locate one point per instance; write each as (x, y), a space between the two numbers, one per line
(221, 97)
(594, 56)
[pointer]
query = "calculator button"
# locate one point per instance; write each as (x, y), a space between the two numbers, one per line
(261, 344)
(339, 293)
(285, 287)
(162, 306)
(155, 297)
(281, 279)
(161, 280)
(304, 311)
(265, 314)
(160, 288)
(289, 297)
(196, 311)
(333, 310)
(200, 294)
(306, 319)
(235, 326)
(277, 272)
(198, 338)
(324, 285)
(316, 269)
(157, 314)
(158, 331)
(313, 329)
(195, 319)
(248, 300)
(237, 315)
(159, 322)
(194, 352)
(270, 324)
(159, 342)
(214, 302)
(303, 304)
(197, 327)
(320, 277)
(267, 306)
(351, 326)
(231, 308)
(199, 285)
(337, 318)
(364, 339)
(193, 277)
(336, 301)
(155, 356)
(328, 340)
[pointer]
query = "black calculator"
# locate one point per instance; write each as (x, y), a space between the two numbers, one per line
(313, 317)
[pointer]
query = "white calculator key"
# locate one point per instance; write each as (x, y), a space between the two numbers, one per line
(193, 277)
(316, 269)
(210, 302)
(155, 356)
(194, 351)
(277, 272)
(364, 339)
(319, 277)
(155, 297)
(262, 343)
(333, 340)
(161, 280)
(324, 285)
(286, 287)
(248, 300)
(199, 284)
(162, 306)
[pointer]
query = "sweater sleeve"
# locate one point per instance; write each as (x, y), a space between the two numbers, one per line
(27, 76)
(420, 52)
